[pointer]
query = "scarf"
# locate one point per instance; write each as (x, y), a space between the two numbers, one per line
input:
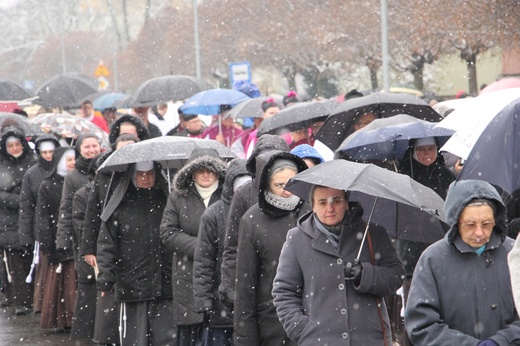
(283, 203)
(330, 232)
(206, 192)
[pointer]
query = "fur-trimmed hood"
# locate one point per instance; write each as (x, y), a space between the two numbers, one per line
(142, 130)
(183, 181)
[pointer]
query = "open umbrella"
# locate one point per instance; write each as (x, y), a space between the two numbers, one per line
(68, 126)
(109, 100)
(66, 90)
(501, 84)
(388, 138)
(297, 116)
(339, 124)
(166, 88)
(10, 91)
(379, 187)
(210, 102)
(22, 122)
(251, 108)
(495, 156)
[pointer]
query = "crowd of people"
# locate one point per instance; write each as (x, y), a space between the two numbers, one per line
(228, 256)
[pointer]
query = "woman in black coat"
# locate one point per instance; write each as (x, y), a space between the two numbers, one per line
(16, 158)
(196, 186)
(60, 280)
(261, 235)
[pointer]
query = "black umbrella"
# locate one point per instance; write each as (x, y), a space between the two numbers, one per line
(10, 91)
(380, 191)
(297, 116)
(29, 129)
(166, 88)
(66, 90)
(339, 124)
(251, 108)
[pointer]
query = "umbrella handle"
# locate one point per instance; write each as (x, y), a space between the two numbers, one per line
(366, 231)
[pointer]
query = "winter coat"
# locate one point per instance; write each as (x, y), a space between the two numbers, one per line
(261, 235)
(130, 254)
(32, 179)
(179, 230)
(12, 170)
(458, 297)
(243, 199)
(514, 268)
(48, 212)
(314, 302)
(438, 178)
(208, 252)
(79, 205)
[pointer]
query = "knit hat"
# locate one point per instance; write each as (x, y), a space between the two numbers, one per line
(279, 163)
(305, 151)
(291, 97)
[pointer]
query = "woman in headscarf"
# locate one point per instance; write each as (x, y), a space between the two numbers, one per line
(261, 234)
(60, 280)
(16, 158)
(196, 186)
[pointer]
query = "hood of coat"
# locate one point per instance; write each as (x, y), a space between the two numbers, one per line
(264, 162)
(464, 191)
(142, 130)
(45, 138)
(265, 143)
(183, 181)
(235, 169)
(15, 132)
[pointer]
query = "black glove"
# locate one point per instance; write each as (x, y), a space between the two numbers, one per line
(353, 271)
(487, 343)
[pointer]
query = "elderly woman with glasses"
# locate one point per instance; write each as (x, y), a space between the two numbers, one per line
(461, 290)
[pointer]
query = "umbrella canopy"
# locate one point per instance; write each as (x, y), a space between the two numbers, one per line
(368, 184)
(297, 116)
(210, 102)
(388, 138)
(495, 156)
(472, 118)
(66, 90)
(164, 89)
(109, 100)
(251, 108)
(169, 151)
(22, 122)
(501, 84)
(68, 126)
(10, 91)
(339, 124)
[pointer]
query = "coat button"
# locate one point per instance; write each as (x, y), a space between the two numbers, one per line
(493, 306)
(343, 311)
(344, 335)
(341, 287)
(339, 261)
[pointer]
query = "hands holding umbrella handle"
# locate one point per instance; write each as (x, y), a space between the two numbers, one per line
(353, 271)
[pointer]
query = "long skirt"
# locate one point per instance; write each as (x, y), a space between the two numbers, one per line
(107, 315)
(18, 292)
(85, 311)
(39, 281)
(147, 323)
(59, 296)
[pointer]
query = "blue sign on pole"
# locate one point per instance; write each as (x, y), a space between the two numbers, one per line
(239, 72)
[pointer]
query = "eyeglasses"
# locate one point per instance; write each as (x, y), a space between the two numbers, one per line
(279, 186)
(472, 227)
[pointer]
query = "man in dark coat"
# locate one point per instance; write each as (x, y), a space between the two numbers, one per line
(208, 258)
(16, 158)
(260, 239)
(244, 198)
(461, 289)
(321, 300)
(133, 261)
(196, 186)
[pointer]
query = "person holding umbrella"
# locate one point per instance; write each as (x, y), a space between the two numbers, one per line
(461, 289)
(322, 292)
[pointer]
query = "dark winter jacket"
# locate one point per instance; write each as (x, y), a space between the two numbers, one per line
(79, 205)
(12, 170)
(262, 232)
(243, 199)
(314, 302)
(179, 230)
(208, 251)
(438, 178)
(32, 179)
(48, 212)
(458, 297)
(130, 253)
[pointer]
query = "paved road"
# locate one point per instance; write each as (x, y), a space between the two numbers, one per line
(23, 330)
